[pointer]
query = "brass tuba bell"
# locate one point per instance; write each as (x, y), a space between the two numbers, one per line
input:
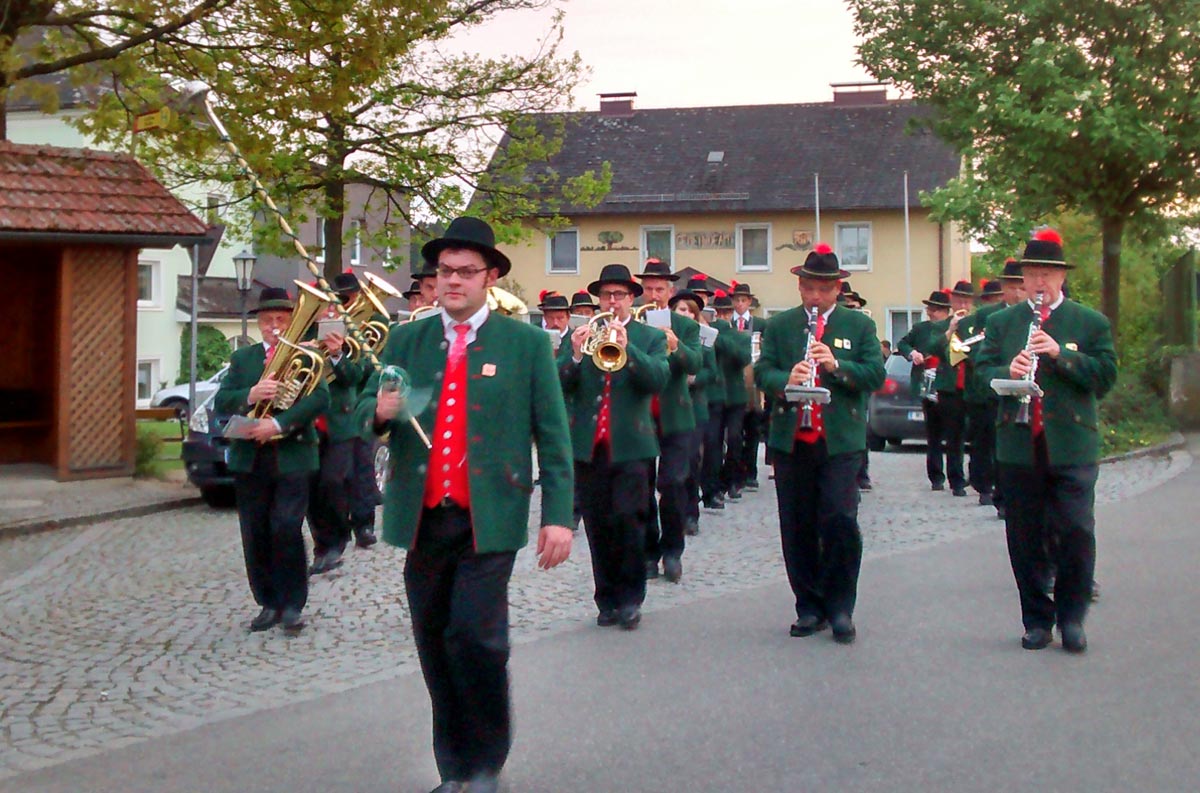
(298, 369)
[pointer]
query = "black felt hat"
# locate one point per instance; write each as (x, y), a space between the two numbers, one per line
(553, 301)
(696, 299)
(345, 283)
(273, 298)
(657, 268)
(615, 274)
(740, 289)
(582, 299)
(1012, 271)
(821, 263)
(472, 233)
(413, 289)
(963, 289)
(938, 299)
(699, 285)
(1045, 250)
(990, 288)
(850, 294)
(722, 300)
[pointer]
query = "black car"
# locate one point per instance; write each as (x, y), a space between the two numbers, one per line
(894, 412)
(205, 454)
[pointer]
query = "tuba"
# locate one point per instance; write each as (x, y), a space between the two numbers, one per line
(505, 302)
(601, 343)
(298, 369)
(364, 309)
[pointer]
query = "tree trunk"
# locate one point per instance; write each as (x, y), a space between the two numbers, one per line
(1112, 229)
(3, 112)
(335, 198)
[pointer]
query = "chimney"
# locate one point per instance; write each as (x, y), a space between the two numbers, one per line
(617, 105)
(866, 93)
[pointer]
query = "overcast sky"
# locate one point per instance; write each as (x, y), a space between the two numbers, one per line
(696, 53)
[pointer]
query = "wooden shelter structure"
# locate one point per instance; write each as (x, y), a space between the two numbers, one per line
(72, 222)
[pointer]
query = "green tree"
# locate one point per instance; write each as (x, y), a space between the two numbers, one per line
(42, 37)
(1090, 106)
(610, 238)
(212, 352)
(320, 94)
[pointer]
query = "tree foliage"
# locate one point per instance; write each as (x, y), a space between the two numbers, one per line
(1090, 106)
(320, 94)
(212, 352)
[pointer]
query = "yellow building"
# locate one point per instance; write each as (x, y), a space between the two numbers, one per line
(743, 193)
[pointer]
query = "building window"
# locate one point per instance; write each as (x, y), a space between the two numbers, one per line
(853, 245)
(356, 259)
(213, 206)
(753, 247)
(900, 321)
(562, 252)
(149, 284)
(658, 242)
(147, 380)
(320, 252)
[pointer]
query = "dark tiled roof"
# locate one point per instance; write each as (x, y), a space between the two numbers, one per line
(218, 298)
(47, 189)
(661, 157)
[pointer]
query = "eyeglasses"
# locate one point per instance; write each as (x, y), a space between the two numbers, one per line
(462, 272)
(616, 294)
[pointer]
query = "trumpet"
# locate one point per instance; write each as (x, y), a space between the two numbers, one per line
(601, 343)
(960, 348)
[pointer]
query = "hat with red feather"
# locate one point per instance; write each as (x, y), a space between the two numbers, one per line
(1045, 250)
(822, 264)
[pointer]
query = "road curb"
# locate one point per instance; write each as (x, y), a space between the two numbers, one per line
(1173, 442)
(38, 525)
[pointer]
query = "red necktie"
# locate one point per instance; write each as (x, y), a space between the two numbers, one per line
(741, 323)
(270, 355)
(818, 423)
(447, 476)
(603, 436)
(1037, 422)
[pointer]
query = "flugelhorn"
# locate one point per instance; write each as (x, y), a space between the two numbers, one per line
(196, 91)
(601, 343)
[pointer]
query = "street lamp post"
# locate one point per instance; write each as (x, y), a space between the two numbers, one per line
(243, 265)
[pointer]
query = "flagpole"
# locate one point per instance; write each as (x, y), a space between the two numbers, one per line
(817, 203)
(908, 298)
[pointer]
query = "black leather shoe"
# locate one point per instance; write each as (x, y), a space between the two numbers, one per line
(651, 570)
(690, 528)
(318, 564)
(607, 618)
(1095, 594)
(482, 783)
(1036, 638)
(630, 617)
(291, 620)
(266, 619)
(451, 786)
(333, 560)
(672, 569)
(734, 494)
(365, 538)
(714, 503)
(865, 485)
(844, 631)
(808, 625)
(985, 499)
(750, 484)
(937, 486)
(1074, 640)
(959, 491)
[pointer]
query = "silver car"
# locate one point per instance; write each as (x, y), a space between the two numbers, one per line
(177, 395)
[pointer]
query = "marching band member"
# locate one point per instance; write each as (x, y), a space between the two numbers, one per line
(1012, 290)
(950, 384)
(754, 421)
(556, 314)
(582, 305)
(917, 346)
(271, 476)
(612, 433)
(462, 509)
(733, 356)
(815, 467)
(691, 305)
(980, 399)
(855, 302)
(1048, 466)
(413, 295)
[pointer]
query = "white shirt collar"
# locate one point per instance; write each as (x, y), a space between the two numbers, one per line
(476, 321)
(1053, 305)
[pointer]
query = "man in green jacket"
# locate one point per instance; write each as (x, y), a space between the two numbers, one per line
(733, 350)
(272, 460)
(754, 421)
(951, 383)
(612, 433)
(918, 346)
(1048, 453)
(675, 422)
(979, 398)
(484, 389)
(815, 467)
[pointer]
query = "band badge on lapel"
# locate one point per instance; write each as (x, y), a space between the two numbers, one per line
(1072, 346)
(841, 344)
(488, 370)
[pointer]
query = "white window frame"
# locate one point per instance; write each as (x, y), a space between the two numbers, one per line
(645, 249)
(913, 311)
(320, 256)
(155, 301)
(550, 252)
(837, 241)
(772, 311)
(356, 259)
(155, 375)
(738, 266)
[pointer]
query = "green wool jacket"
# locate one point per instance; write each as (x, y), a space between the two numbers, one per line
(851, 337)
(1085, 371)
(645, 374)
(512, 397)
(978, 392)
(343, 398)
(921, 337)
(733, 356)
(700, 386)
(297, 452)
(675, 410)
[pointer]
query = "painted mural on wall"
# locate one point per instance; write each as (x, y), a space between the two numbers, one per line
(608, 241)
(704, 240)
(801, 241)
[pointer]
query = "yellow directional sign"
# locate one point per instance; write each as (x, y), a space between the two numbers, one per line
(154, 120)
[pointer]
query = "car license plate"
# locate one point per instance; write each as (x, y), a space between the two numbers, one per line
(916, 415)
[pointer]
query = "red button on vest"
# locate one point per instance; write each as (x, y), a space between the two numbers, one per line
(447, 476)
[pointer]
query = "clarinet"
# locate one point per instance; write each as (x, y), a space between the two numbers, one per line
(1034, 326)
(806, 414)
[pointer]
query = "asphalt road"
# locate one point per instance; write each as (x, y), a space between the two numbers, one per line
(714, 695)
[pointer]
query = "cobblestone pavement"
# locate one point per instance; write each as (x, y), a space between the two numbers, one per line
(134, 628)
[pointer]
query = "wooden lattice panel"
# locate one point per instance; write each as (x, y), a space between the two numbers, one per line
(96, 397)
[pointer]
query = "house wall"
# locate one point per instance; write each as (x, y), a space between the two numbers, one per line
(709, 243)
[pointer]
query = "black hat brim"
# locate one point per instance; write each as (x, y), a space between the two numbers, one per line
(494, 258)
(1045, 263)
(931, 304)
(801, 272)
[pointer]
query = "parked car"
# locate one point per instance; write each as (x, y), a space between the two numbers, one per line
(206, 454)
(894, 412)
(177, 395)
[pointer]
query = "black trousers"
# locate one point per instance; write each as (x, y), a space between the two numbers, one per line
(459, 604)
(981, 424)
(364, 494)
(864, 470)
(665, 537)
(733, 473)
(271, 514)
(818, 524)
(1055, 502)
(329, 496)
(710, 470)
(754, 427)
(613, 499)
(944, 425)
(691, 485)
